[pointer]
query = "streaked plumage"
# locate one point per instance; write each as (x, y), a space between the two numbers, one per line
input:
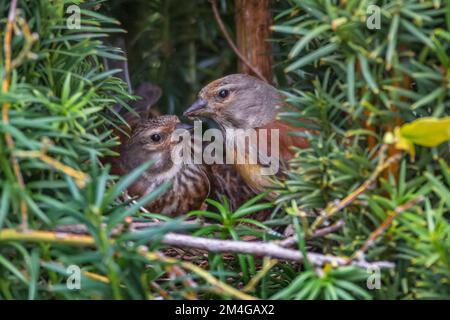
(190, 182)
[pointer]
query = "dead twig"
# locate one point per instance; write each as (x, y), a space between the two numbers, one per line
(176, 271)
(10, 64)
(132, 226)
(80, 177)
(290, 241)
(334, 208)
(231, 43)
(163, 293)
(257, 248)
(139, 225)
(262, 249)
(6, 106)
(386, 223)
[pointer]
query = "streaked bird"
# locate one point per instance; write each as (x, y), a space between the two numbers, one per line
(153, 140)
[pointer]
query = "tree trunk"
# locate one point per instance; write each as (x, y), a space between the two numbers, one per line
(253, 20)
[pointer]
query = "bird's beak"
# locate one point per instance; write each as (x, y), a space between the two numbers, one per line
(184, 126)
(198, 108)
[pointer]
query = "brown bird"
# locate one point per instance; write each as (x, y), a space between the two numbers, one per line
(221, 180)
(192, 183)
(153, 140)
(150, 139)
(240, 101)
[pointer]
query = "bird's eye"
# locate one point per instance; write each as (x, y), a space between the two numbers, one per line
(224, 93)
(155, 137)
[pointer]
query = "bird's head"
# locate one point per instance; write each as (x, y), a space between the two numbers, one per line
(237, 101)
(154, 139)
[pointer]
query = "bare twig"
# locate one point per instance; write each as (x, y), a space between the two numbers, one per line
(386, 223)
(133, 226)
(262, 249)
(164, 294)
(290, 241)
(6, 106)
(231, 43)
(139, 225)
(96, 277)
(46, 237)
(29, 40)
(80, 177)
(180, 272)
(256, 248)
(334, 208)
(327, 230)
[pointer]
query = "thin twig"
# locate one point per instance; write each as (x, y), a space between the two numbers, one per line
(6, 106)
(47, 237)
(140, 225)
(261, 249)
(133, 226)
(231, 43)
(164, 294)
(96, 277)
(188, 282)
(332, 209)
(290, 241)
(386, 223)
(80, 177)
(88, 241)
(256, 248)
(29, 39)
(175, 271)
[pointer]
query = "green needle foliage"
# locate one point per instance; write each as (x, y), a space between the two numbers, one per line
(354, 84)
(358, 83)
(61, 97)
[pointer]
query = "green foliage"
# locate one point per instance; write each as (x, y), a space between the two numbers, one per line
(354, 85)
(55, 94)
(60, 97)
(358, 84)
(333, 284)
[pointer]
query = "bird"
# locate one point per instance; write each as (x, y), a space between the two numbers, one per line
(192, 184)
(153, 140)
(221, 180)
(241, 101)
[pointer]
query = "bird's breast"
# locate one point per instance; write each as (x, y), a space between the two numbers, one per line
(190, 187)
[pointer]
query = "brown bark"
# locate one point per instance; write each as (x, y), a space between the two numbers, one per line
(253, 19)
